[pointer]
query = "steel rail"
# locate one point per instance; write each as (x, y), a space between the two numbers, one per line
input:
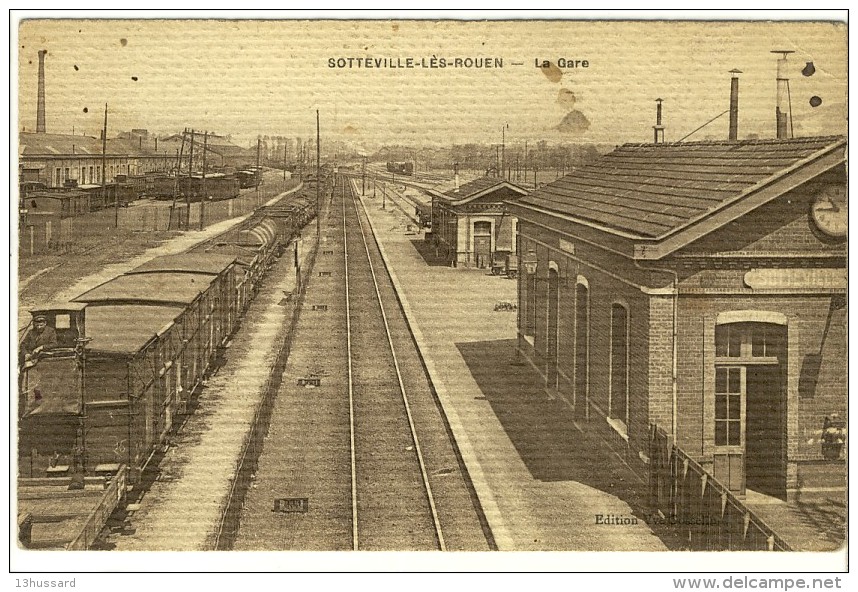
(425, 476)
(351, 387)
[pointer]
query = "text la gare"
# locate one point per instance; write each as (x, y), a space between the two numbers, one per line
(561, 63)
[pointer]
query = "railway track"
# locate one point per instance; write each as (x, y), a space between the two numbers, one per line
(378, 397)
(372, 457)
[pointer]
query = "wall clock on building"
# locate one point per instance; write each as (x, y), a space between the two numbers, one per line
(829, 211)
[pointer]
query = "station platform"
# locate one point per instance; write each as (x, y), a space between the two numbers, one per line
(543, 485)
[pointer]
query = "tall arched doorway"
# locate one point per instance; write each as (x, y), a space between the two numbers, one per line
(582, 347)
(551, 333)
(750, 407)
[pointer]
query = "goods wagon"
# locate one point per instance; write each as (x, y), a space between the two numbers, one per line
(127, 357)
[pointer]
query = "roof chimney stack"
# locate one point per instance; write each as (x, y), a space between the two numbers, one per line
(734, 105)
(782, 110)
(658, 128)
(40, 107)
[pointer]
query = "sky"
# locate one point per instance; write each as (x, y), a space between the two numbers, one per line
(247, 78)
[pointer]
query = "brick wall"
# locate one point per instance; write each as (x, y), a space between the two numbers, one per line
(811, 395)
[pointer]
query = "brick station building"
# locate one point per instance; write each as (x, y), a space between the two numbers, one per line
(472, 223)
(700, 287)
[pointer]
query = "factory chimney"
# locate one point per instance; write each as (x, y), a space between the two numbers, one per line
(734, 105)
(658, 128)
(40, 107)
(782, 109)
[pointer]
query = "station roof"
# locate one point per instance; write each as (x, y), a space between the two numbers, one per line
(478, 188)
(204, 263)
(155, 287)
(655, 191)
(125, 329)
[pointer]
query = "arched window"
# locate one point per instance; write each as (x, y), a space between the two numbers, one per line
(618, 407)
(582, 343)
(482, 227)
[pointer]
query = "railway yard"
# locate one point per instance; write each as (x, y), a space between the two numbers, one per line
(322, 422)
(330, 401)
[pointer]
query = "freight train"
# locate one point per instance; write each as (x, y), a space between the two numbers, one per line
(103, 378)
(400, 168)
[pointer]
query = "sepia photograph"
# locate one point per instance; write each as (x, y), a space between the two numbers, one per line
(499, 282)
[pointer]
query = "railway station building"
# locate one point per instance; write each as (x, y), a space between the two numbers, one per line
(700, 287)
(472, 224)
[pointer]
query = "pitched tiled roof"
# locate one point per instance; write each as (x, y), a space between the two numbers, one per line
(473, 187)
(477, 187)
(651, 190)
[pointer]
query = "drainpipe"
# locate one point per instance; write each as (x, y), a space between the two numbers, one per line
(675, 368)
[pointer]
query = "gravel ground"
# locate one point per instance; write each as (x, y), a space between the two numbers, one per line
(306, 452)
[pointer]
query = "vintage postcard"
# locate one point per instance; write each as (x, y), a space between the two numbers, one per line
(350, 283)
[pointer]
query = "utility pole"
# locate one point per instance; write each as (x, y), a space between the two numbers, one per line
(503, 149)
(176, 186)
(190, 185)
(256, 172)
(525, 161)
(318, 181)
(284, 165)
(205, 194)
(374, 185)
(104, 173)
(363, 178)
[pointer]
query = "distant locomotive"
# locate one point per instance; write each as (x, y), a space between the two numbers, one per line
(400, 168)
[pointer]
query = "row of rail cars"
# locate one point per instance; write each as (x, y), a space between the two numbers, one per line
(217, 186)
(81, 199)
(130, 353)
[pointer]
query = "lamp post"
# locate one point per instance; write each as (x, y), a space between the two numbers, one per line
(503, 149)
(530, 262)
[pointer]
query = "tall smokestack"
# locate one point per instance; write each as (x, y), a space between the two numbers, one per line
(782, 109)
(658, 128)
(734, 104)
(40, 107)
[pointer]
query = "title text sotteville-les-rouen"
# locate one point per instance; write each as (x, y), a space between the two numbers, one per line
(436, 62)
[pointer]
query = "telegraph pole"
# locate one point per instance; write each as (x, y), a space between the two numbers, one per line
(525, 161)
(256, 172)
(503, 149)
(190, 185)
(318, 182)
(205, 195)
(104, 173)
(363, 178)
(284, 164)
